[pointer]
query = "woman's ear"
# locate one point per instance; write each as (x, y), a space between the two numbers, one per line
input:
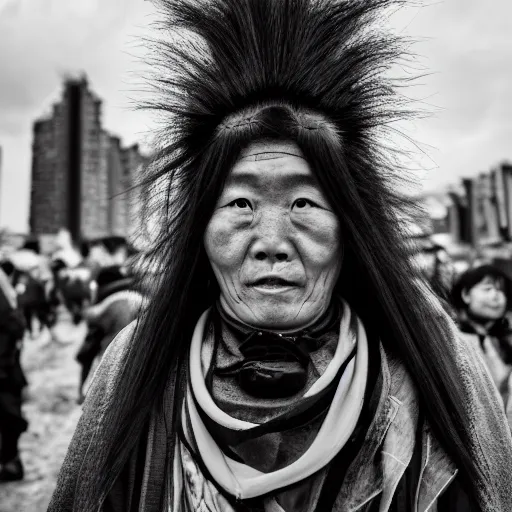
(465, 296)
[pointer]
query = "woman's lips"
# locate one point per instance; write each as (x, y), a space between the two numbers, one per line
(273, 284)
(273, 281)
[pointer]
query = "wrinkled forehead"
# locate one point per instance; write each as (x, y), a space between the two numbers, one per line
(263, 150)
(272, 164)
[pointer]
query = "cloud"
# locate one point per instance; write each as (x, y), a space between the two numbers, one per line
(43, 40)
(466, 46)
(40, 44)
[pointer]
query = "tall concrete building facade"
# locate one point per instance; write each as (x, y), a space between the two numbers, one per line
(78, 170)
(135, 195)
(118, 216)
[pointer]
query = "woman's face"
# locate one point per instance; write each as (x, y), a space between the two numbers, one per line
(486, 299)
(273, 240)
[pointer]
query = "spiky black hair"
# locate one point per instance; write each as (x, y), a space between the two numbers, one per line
(219, 59)
(317, 54)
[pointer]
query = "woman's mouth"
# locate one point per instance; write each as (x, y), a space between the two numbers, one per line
(273, 284)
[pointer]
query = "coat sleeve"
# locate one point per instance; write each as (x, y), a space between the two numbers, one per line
(490, 428)
(89, 425)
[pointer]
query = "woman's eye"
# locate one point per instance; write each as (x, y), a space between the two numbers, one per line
(240, 203)
(303, 203)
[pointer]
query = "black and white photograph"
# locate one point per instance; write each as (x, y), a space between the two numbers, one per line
(255, 256)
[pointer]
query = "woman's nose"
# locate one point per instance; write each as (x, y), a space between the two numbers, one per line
(272, 241)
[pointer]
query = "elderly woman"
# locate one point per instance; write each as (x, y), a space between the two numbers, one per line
(290, 359)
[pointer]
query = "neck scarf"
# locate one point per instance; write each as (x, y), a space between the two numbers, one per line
(347, 372)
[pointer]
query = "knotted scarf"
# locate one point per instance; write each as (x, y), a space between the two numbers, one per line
(206, 474)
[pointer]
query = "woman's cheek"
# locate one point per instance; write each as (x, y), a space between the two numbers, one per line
(320, 238)
(224, 240)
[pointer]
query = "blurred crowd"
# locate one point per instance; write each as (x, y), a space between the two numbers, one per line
(479, 299)
(97, 285)
(102, 287)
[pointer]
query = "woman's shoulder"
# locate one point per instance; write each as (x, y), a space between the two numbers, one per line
(109, 369)
(119, 347)
(468, 337)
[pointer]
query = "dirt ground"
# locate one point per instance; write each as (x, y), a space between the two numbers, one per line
(52, 412)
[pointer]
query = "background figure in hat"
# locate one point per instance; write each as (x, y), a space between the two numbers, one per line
(482, 297)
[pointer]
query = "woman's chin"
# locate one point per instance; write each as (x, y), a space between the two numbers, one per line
(278, 317)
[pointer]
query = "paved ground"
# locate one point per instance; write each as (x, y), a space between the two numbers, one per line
(52, 412)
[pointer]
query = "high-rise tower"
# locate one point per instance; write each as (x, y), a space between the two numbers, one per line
(78, 170)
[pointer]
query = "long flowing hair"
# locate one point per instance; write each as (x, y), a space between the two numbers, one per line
(315, 73)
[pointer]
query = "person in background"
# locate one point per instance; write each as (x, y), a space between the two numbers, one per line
(54, 296)
(117, 304)
(441, 272)
(32, 300)
(107, 252)
(434, 262)
(482, 297)
(12, 423)
(12, 275)
(71, 288)
(76, 291)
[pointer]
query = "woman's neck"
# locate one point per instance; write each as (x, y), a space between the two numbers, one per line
(321, 323)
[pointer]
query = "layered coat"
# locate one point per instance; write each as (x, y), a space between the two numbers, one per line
(372, 478)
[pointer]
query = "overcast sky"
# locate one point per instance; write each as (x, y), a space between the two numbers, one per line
(466, 45)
